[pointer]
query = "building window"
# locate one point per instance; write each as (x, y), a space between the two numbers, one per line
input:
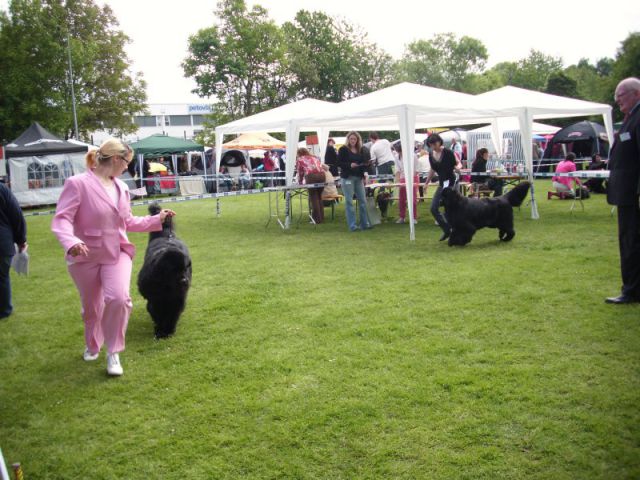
(198, 119)
(145, 121)
(180, 120)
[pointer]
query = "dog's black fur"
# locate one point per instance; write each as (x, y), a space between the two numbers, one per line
(466, 215)
(383, 199)
(165, 277)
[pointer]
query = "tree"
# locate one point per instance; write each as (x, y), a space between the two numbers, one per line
(34, 69)
(444, 61)
(627, 62)
(239, 61)
(592, 81)
(561, 84)
(332, 59)
(531, 72)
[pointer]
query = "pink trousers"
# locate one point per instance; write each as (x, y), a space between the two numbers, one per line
(402, 201)
(106, 304)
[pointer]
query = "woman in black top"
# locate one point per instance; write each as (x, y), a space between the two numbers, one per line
(479, 165)
(443, 163)
(331, 157)
(353, 160)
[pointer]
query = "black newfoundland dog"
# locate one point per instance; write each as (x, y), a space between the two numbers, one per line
(466, 215)
(165, 277)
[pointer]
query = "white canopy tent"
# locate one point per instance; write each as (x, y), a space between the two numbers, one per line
(512, 123)
(403, 107)
(279, 119)
(408, 106)
(509, 134)
(527, 105)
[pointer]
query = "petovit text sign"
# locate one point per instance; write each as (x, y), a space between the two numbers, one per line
(199, 108)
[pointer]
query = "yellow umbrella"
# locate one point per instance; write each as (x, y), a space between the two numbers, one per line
(253, 141)
(155, 167)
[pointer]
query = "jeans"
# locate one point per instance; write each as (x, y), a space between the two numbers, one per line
(385, 169)
(350, 186)
(435, 211)
(5, 287)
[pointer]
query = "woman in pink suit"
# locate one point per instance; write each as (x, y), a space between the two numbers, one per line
(91, 222)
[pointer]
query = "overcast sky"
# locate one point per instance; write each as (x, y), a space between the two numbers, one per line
(570, 29)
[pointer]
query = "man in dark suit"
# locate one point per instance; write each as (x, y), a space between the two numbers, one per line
(624, 189)
(12, 230)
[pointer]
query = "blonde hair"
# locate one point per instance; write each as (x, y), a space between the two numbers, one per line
(358, 143)
(109, 149)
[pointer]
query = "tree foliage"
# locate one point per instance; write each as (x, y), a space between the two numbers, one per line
(531, 72)
(333, 60)
(593, 82)
(34, 68)
(444, 61)
(561, 84)
(239, 61)
(627, 63)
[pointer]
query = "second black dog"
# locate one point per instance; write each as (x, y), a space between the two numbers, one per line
(383, 199)
(165, 277)
(466, 215)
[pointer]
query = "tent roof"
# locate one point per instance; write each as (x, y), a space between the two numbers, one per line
(379, 110)
(511, 123)
(159, 144)
(584, 130)
(276, 119)
(254, 140)
(539, 104)
(38, 141)
(433, 107)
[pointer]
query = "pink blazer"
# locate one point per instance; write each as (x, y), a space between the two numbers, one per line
(86, 214)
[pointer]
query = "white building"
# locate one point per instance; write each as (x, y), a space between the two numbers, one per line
(182, 120)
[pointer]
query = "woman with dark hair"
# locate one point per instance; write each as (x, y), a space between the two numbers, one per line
(443, 163)
(331, 157)
(596, 185)
(353, 160)
(479, 165)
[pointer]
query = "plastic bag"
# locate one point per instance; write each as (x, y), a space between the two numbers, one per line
(20, 262)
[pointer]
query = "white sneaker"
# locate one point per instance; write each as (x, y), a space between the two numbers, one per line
(415, 222)
(400, 220)
(113, 365)
(88, 356)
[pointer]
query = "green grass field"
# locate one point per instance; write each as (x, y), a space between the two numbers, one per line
(320, 353)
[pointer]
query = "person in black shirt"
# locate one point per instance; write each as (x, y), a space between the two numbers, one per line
(596, 185)
(331, 157)
(12, 230)
(353, 160)
(479, 165)
(443, 163)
